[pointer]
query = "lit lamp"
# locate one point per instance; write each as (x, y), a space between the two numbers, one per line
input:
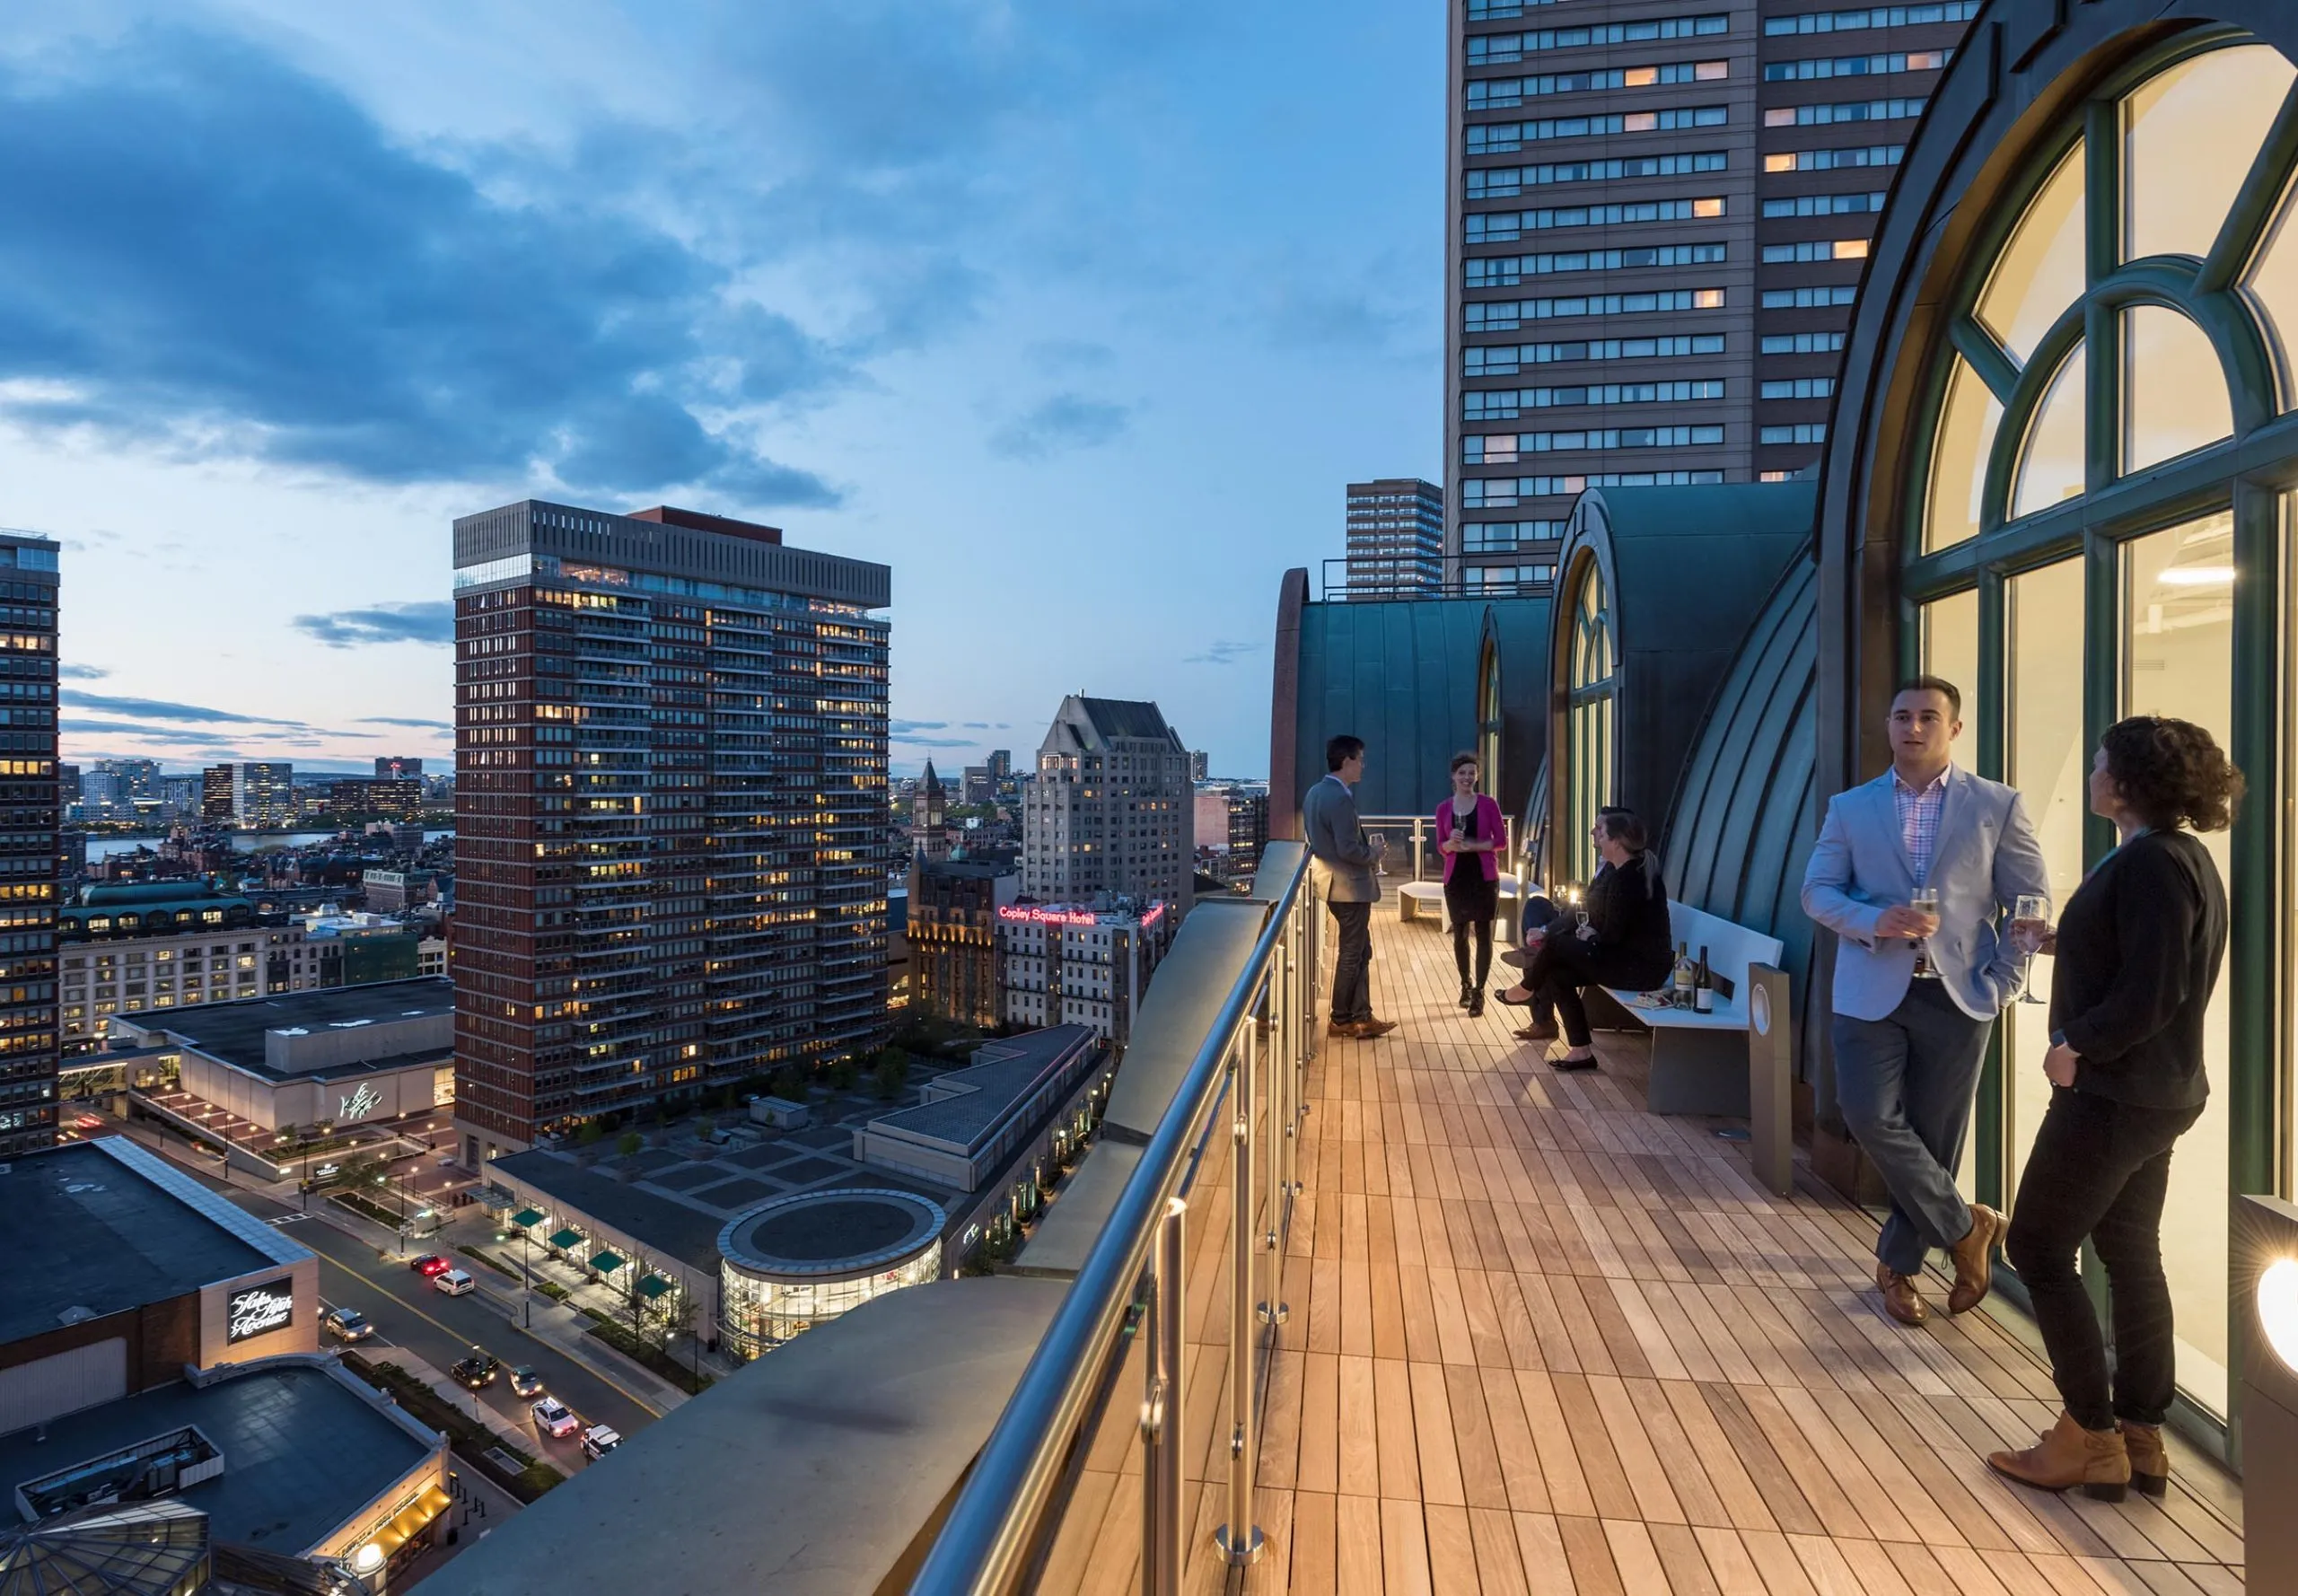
(2265, 1249)
(367, 1558)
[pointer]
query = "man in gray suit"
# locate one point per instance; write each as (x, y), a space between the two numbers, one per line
(1917, 990)
(1345, 865)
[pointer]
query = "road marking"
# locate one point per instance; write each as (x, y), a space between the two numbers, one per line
(454, 1335)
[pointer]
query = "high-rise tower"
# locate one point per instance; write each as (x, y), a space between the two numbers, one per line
(670, 806)
(29, 813)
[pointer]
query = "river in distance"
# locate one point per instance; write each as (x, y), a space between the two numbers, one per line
(250, 842)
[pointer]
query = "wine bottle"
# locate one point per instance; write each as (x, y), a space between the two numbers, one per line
(1703, 987)
(1682, 994)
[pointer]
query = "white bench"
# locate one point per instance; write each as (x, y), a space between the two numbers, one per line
(1699, 1062)
(1414, 898)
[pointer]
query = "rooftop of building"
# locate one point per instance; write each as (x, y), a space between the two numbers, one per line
(969, 868)
(235, 1032)
(831, 1233)
(981, 1095)
(303, 1450)
(659, 1220)
(101, 1227)
(1128, 717)
(140, 894)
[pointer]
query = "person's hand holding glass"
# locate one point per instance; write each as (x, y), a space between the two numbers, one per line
(1924, 902)
(2028, 928)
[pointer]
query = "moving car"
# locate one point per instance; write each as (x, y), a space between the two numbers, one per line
(556, 1418)
(477, 1368)
(89, 1122)
(454, 1283)
(348, 1324)
(599, 1440)
(430, 1263)
(526, 1381)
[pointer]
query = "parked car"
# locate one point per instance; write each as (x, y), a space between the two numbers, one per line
(430, 1263)
(599, 1440)
(556, 1418)
(526, 1381)
(475, 1369)
(348, 1324)
(454, 1283)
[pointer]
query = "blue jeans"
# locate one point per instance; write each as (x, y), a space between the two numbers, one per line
(1905, 1084)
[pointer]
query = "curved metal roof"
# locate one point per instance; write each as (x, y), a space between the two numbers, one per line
(1744, 813)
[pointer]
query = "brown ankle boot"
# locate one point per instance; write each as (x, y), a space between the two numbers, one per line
(2150, 1464)
(2069, 1455)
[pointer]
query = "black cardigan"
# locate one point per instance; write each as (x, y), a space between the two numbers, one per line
(1630, 920)
(2139, 947)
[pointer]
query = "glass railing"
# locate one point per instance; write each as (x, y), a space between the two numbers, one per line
(1242, 1097)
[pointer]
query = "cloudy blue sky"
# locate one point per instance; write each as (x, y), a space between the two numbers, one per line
(1078, 315)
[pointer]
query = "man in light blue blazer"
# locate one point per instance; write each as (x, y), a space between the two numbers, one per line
(1346, 874)
(1917, 992)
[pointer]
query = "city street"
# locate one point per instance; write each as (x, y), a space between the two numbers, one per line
(409, 1311)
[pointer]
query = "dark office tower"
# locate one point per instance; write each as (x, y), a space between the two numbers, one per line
(216, 793)
(670, 812)
(1657, 217)
(1396, 537)
(398, 768)
(29, 842)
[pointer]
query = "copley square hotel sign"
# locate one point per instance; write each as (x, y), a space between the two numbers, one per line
(259, 1309)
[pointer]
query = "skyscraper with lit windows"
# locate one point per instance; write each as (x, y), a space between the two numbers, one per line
(1657, 218)
(29, 813)
(670, 811)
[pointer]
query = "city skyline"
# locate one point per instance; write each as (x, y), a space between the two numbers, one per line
(912, 336)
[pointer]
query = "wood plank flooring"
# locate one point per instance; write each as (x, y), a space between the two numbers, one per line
(1543, 1342)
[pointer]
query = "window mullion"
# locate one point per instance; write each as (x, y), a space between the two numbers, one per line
(1986, 358)
(2255, 202)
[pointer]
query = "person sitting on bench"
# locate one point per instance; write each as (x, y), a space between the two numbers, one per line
(1624, 943)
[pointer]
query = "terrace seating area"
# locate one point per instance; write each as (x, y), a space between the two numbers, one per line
(1542, 1341)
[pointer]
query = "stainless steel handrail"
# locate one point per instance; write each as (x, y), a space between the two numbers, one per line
(986, 1544)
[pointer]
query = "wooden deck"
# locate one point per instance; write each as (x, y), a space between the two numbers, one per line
(1543, 1342)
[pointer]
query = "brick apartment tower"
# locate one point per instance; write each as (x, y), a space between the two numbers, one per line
(1657, 213)
(670, 811)
(29, 811)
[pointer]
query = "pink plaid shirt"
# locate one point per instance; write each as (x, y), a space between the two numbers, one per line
(1919, 819)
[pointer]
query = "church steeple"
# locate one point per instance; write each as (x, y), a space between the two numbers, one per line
(929, 832)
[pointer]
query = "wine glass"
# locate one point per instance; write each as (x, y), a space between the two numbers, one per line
(1924, 900)
(2029, 922)
(1580, 907)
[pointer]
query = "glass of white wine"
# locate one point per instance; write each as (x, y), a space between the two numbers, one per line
(1924, 900)
(2030, 924)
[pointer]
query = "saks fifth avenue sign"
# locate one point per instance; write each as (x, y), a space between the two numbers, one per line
(259, 1309)
(361, 1103)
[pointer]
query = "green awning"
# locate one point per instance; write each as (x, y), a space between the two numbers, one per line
(526, 1217)
(605, 1263)
(565, 1239)
(655, 1286)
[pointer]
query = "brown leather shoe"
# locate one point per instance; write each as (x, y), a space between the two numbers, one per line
(1975, 1259)
(1539, 1030)
(1344, 1029)
(2150, 1462)
(1366, 1029)
(2068, 1455)
(1901, 1300)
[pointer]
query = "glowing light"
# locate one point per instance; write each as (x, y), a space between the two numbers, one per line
(1031, 915)
(2279, 1310)
(367, 1558)
(2198, 577)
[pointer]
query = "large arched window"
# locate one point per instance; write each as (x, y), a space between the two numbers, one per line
(1591, 662)
(2095, 528)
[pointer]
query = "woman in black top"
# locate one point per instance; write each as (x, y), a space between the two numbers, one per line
(2138, 946)
(1625, 945)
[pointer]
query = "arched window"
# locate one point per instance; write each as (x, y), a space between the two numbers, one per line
(1488, 715)
(2080, 546)
(1591, 661)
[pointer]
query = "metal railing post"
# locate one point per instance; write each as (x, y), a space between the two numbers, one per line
(1160, 1414)
(1239, 1538)
(1276, 1073)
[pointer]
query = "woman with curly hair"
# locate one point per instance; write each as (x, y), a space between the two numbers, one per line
(2139, 946)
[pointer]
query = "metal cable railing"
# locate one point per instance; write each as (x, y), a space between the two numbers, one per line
(1253, 1062)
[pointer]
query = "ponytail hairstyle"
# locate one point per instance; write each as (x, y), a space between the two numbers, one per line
(1625, 827)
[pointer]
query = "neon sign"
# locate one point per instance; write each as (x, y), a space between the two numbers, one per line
(1029, 914)
(1156, 912)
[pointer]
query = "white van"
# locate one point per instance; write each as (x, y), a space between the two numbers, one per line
(454, 1283)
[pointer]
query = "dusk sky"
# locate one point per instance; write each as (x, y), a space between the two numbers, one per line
(1079, 315)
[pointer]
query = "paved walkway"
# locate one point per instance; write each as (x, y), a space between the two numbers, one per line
(1543, 1342)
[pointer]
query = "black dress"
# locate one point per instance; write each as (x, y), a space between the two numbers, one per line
(1470, 895)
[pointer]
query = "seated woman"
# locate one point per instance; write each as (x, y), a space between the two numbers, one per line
(1626, 943)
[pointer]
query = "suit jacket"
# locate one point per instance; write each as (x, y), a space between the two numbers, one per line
(1342, 858)
(1985, 858)
(1490, 827)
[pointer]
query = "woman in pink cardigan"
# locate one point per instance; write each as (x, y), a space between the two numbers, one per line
(1471, 834)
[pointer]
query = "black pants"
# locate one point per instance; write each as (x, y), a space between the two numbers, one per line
(1352, 964)
(1482, 931)
(1566, 962)
(2100, 1168)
